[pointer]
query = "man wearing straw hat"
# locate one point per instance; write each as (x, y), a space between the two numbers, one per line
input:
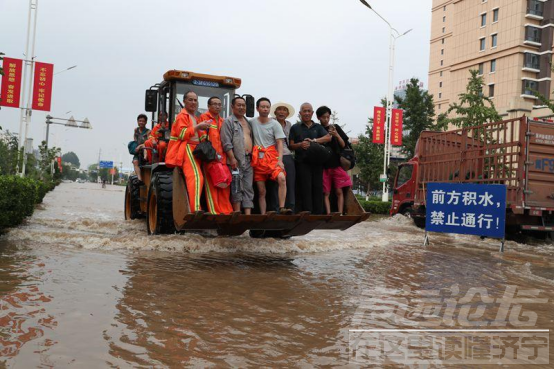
(283, 111)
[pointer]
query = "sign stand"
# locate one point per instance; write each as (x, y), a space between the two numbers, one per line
(502, 245)
(426, 239)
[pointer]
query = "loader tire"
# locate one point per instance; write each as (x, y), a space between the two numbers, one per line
(132, 199)
(268, 234)
(159, 214)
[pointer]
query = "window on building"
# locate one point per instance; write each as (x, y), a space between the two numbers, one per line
(440, 106)
(491, 90)
(530, 87)
(482, 44)
(444, 8)
(440, 84)
(443, 29)
(533, 34)
(493, 65)
(442, 62)
(494, 40)
(444, 19)
(535, 7)
(441, 74)
(483, 20)
(481, 68)
(442, 51)
(531, 61)
(440, 95)
(495, 15)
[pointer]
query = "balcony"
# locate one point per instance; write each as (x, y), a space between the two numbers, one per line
(532, 36)
(530, 89)
(535, 9)
(531, 63)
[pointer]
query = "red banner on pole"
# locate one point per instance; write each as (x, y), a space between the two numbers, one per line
(59, 160)
(378, 125)
(10, 94)
(42, 90)
(396, 127)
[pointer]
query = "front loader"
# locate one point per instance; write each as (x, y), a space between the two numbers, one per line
(162, 198)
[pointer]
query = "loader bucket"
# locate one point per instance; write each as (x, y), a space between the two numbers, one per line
(288, 225)
(282, 225)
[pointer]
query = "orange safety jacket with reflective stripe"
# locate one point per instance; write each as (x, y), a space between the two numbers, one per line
(182, 133)
(214, 133)
(154, 135)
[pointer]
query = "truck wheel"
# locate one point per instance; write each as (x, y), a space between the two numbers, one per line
(159, 214)
(409, 212)
(419, 222)
(132, 199)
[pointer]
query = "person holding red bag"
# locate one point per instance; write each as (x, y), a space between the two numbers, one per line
(216, 173)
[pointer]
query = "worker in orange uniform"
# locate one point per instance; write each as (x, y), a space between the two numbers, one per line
(217, 199)
(155, 139)
(186, 134)
(267, 156)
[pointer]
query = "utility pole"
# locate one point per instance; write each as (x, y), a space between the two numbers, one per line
(98, 170)
(26, 113)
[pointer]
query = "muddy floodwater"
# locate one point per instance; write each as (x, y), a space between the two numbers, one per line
(81, 287)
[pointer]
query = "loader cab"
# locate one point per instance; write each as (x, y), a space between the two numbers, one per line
(169, 94)
(404, 188)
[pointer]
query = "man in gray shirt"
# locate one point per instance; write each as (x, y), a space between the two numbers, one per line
(236, 138)
(267, 155)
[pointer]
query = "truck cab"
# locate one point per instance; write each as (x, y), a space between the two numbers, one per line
(404, 188)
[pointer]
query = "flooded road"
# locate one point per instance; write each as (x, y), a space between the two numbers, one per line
(81, 287)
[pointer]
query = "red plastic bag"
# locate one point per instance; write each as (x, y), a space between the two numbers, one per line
(219, 174)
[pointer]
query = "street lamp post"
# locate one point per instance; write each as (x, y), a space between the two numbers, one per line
(71, 122)
(394, 35)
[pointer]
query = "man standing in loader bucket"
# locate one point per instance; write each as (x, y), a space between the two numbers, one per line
(186, 133)
(267, 156)
(236, 138)
(217, 198)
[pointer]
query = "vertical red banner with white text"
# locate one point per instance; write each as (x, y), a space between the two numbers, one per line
(396, 127)
(10, 93)
(378, 125)
(42, 88)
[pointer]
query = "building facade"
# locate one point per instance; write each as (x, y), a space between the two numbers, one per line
(510, 42)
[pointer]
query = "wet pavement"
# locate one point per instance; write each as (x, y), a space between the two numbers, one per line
(81, 287)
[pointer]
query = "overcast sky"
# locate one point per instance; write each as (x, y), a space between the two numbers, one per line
(332, 52)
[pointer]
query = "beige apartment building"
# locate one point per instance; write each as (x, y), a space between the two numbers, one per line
(510, 42)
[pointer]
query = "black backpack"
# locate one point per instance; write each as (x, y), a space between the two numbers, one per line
(205, 152)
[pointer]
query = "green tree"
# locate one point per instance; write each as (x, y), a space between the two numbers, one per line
(9, 153)
(369, 159)
(419, 113)
(93, 172)
(47, 156)
(71, 157)
(472, 110)
(69, 172)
